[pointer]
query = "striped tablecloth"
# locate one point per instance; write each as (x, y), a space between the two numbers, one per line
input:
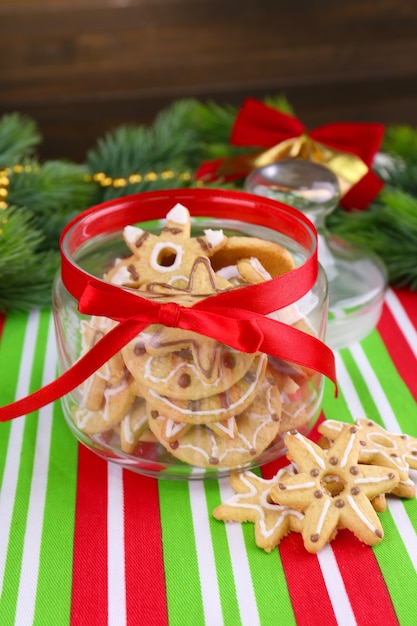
(85, 543)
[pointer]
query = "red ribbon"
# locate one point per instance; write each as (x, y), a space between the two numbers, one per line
(262, 126)
(236, 317)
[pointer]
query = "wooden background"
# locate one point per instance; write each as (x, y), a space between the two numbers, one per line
(82, 67)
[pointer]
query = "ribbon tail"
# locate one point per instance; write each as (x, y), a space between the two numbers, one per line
(99, 354)
(297, 346)
(361, 195)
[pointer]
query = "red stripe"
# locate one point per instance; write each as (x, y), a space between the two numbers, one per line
(400, 352)
(89, 586)
(145, 577)
(408, 300)
(357, 565)
(363, 580)
(310, 601)
(305, 581)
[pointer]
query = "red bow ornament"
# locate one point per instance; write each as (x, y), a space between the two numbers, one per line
(348, 149)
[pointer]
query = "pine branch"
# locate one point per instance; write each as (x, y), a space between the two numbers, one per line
(171, 143)
(388, 228)
(18, 138)
(398, 165)
(401, 141)
(26, 273)
(214, 125)
(54, 192)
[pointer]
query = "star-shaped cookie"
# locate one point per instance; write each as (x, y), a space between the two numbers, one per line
(252, 503)
(167, 257)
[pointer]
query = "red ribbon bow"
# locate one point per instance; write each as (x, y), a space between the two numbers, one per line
(237, 317)
(262, 126)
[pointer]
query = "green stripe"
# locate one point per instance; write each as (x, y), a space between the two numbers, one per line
(269, 583)
(397, 569)
(58, 526)
(183, 589)
(268, 578)
(226, 581)
(396, 391)
(400, 398)
(19, 519)
(361, 387)
(58, 529)
(11, 346)
(335, 408)
(10, 355)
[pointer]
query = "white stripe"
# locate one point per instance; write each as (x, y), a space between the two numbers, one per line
(375, 389)
(335, 587)
(402, 319)
(11, 468)
(205, 555)
(240, 565)
(26, 599)
(116, 547)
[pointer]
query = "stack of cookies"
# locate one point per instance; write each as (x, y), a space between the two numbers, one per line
(205, 403)
(339, 483)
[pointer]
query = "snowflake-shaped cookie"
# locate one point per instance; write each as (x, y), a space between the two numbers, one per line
(333, 489)
(380, 447)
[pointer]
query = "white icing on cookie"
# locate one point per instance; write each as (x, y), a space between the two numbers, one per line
(132, 233)
(214, 237)
(121, 276)
(158, 253)
(178, 214)
(322, 517)
(311, 450)
(359, 513)
(258, 267)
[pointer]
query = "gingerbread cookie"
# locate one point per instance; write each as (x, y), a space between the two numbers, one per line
(378, 446)
(133, 425)
(273, 257)
(184, 364)
(202, 281)
(167, 257)
(300, 393)
(215, 407)
(257, 427)
(332, 489)
(108, 375)
(117, 400)
(252, 503)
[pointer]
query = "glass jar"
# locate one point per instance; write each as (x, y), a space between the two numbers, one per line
(357, 278)
(215, 393)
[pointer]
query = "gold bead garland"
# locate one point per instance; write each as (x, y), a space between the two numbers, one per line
(5, 180)
(100, 178)
(104, 180)
(4, 191)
